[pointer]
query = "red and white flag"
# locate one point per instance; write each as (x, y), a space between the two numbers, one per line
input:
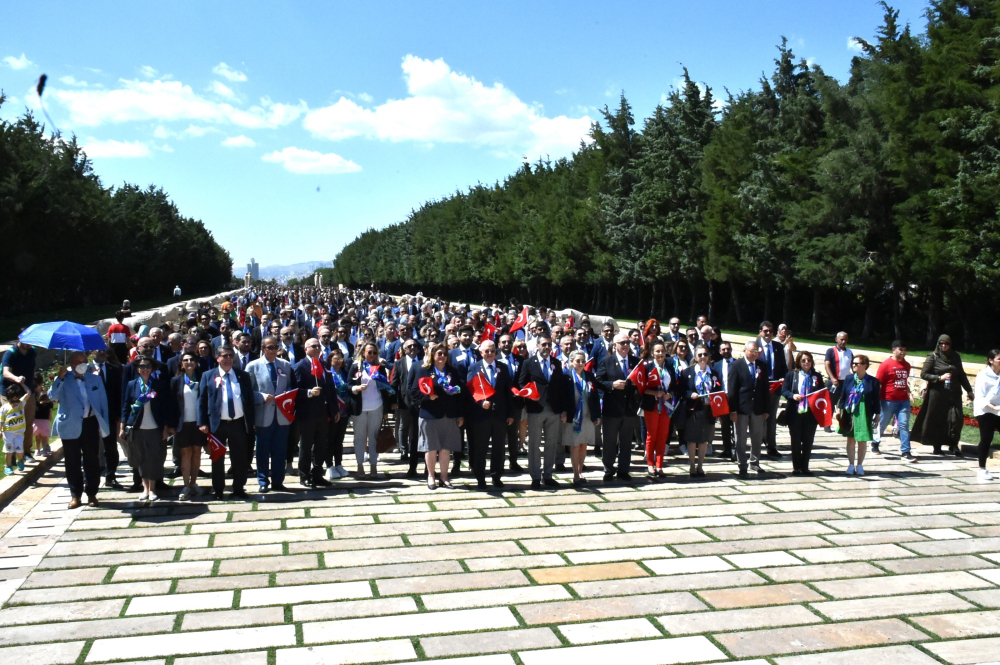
(286, 404)
(775, 386)
(317, 368)
(639, 377)
(520, 321)
(216, 449)
(719, 403)
(481, 388)
(530, 391)
(822, 409)
(489, 331)
(426, 385)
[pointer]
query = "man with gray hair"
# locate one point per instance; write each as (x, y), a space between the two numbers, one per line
(749, 398)
(619, 408)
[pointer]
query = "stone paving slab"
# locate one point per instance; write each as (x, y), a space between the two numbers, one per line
(901, 566)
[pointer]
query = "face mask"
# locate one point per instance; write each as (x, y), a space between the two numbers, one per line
(80, 369)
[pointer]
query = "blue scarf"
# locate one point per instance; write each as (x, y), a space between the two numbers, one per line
(376, 376)
(582, 390)
(445, 382)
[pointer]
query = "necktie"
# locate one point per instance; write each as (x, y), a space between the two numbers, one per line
(102, 374)
(545, 367)
(492, 375)
(274, 375)
(230, 403)
(625, 366)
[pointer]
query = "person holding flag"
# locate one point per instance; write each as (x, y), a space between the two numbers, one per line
(315, 407)
(546, 410)
(491, 408)
(772, 353)
(799, 384)
(584, 413)
(372, 395)
(226, 410)
(337, 428)
(619, 410)
(658, 406)
(271, 376)
(512, 360)
(436, 388)
(696, 383)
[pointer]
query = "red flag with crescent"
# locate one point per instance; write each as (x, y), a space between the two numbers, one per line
(530, 390)
(216, 449)
(639, 377)
(520, 321)
(719, 403)
(489, 331)
(481, 388)
(822, 410)
(426, 385)
(316, 368)
(652, 379)
(775, 386)
(286, 404)
(589, 366)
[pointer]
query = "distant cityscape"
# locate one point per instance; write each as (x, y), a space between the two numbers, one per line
(282, 274)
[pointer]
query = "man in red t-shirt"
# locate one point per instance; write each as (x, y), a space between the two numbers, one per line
(895, 396)
(118, 334)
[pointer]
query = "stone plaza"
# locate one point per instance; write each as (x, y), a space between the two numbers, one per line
(899, 566)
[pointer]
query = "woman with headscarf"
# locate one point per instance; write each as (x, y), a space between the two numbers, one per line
(939, 422)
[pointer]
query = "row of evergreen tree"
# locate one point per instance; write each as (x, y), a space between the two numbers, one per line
(870, 205)
(67, 241)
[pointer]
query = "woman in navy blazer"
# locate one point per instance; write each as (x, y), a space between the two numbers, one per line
(147, 407)
(695, 383)
(802, 380)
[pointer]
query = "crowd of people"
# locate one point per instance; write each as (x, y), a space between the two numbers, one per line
(276, 374)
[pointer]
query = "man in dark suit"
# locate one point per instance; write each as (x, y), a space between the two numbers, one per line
(772, 354)
(546, 413)
(111, 376)
(244, 355)
(619, 408)
(190, 346)
(315, 406)
(748, 402)
(226, 409)
(161, 350)
(224, 338)
(295, 351)
(721, 369)
(513, 364)
(490, 417)
(406, 410)
(461, 358)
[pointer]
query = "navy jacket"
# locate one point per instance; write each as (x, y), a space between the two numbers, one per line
(306, 407)
(502, 402)
(162, 405)
(445, 406)
(211, 402)
(617, 403)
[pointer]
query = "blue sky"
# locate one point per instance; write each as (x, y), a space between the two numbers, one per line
(240, 111)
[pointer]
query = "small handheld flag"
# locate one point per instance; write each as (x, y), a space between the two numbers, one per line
(216, 449)
(286, 404)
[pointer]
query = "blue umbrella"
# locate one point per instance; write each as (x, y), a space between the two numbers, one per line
(64, 335)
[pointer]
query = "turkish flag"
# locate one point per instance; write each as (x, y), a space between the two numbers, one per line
(286, 404)
(590, 365)
(719, 403)
(216, 449)
(317, 368)
(822, 409)
(426, 385)
(639, 377)
(775, 386)
(489, 331)
(530, 390)
(399, 354)
(481, 388)
(653, 379)
(520, 321)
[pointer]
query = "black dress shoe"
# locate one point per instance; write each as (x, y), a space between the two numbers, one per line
(412, 473)
(624, 476)
(240, 494)
(609, 477)
(956, 452)
(481, 484)
(536, 484)
(174, 473)
(218, 496)
(516, 468)
(280, 487)
(743, 473)
(497, 482)
(137, 487)
(774, 454)
(551, 482)
(457, 469)
(264, 489)
(161, 487)
(320, 481)
(561, 468)
(113, 484)
(305, 482)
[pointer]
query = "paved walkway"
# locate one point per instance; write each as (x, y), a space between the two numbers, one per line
(900, 566)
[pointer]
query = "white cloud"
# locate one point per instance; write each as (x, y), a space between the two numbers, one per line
(112, 148)
(71, 80)
(223, 90)
(365, 97)
(239, 142)
(148, 71)
(297, 160)
(17, 63)
(167, 101)
(227, 72)
(854, 45)
(449, 107)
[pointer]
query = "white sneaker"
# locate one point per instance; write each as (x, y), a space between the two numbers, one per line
(850, 469)
(184, 495)
(143, 496)
(153, 497)
(984, 475)
(342, 471)
(860, 470)
(332, 474)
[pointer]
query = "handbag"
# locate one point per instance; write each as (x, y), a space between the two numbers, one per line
(386, 440)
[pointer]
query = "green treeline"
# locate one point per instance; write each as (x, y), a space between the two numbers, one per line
(870, 205)
(67, 241)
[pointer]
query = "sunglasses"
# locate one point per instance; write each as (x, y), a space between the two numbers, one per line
(271, 347)
(145, 367)
(701, 355)
(226, 355)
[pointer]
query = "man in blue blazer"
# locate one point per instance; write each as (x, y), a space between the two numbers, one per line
(462, 358)
(490, 417)
(772, 353)
(226, 409)
(271, 376)
(81, 423)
